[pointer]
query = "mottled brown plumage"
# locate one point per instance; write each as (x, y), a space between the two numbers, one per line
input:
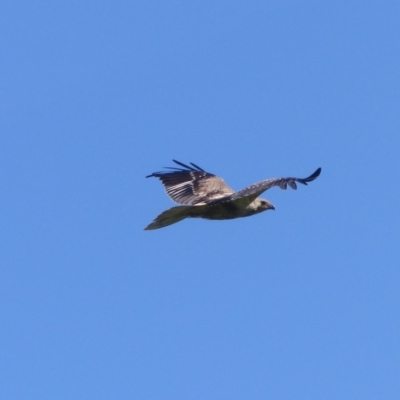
(205, 195)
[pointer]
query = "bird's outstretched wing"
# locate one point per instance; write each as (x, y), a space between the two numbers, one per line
(191, 185)
(253, 191)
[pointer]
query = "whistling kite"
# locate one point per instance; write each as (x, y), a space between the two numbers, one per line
(207, 196)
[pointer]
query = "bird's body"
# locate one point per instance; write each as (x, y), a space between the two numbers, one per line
(205, 195)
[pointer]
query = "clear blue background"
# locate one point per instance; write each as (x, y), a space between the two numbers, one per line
(300, 303)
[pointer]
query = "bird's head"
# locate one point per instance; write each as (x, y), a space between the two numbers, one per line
(263, 205)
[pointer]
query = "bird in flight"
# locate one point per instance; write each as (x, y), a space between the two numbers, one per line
(205, 195)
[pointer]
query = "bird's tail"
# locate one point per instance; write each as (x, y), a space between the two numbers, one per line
(169, 217)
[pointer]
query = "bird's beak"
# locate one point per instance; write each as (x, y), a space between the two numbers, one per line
(272, 207)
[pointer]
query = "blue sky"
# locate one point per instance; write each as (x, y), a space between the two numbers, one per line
(299, 303)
